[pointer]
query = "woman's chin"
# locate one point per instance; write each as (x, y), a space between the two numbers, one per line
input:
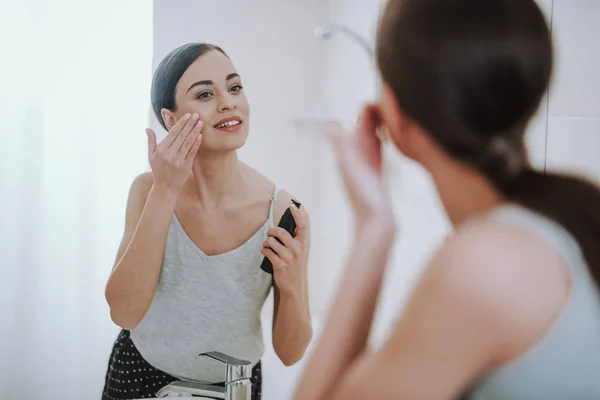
(219, 142)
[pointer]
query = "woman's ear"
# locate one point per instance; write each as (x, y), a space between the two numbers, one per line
(400, 128)
(392, 117)
(168, 118)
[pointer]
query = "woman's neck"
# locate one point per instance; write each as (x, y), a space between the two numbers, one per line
(464, 192)
(216, 176)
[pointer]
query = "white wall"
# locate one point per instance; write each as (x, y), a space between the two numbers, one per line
(565, 135)
(74, 81)
(574, 109)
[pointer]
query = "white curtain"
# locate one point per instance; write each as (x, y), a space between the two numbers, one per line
(74, 92)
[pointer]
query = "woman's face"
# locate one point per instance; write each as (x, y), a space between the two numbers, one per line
(212, 88)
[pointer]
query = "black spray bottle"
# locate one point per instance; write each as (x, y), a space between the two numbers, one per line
(288, 223)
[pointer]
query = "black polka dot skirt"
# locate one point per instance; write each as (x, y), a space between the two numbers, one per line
(129, 376)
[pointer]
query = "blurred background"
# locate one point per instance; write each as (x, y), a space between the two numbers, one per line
(74, 101)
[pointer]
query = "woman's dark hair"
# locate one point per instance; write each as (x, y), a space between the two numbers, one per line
(169, 72)
(472, 73)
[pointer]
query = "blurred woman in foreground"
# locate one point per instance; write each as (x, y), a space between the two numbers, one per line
(509, 307)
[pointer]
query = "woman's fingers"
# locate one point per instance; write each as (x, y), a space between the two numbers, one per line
(183, 134)
(359, 162)
(189, 158)
(190, 140)
(281, 234)
(344, 152)
(277, 247)
(360, 153)
(368, 143)
(174, 131)
(301, 230)
(273, 257)
(151, 142)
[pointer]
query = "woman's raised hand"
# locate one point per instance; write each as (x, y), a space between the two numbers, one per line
(171, 160)
(360, 162)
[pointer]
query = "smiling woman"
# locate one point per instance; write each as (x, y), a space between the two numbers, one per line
(187, 277)
(191, 78)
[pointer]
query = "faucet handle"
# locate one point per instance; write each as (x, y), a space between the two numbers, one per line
(236, 369)
(224, 358)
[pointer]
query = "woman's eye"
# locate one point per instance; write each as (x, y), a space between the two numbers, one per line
(204, 95)
(236, 88)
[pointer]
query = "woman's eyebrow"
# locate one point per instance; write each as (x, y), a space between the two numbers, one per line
(208, 82)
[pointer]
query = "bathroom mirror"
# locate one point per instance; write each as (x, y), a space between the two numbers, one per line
(76, 81)
(75, 112)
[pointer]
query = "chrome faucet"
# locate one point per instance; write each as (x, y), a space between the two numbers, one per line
(237, 386)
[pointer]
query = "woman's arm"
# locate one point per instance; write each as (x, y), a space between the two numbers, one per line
(292, 327)
(467, 315)
(348, 325)
(132, 283)
(150, 207)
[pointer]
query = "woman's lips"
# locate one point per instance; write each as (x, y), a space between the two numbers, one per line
(230, 127)
(232, 124)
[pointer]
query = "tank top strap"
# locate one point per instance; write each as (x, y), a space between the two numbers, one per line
(276, 191)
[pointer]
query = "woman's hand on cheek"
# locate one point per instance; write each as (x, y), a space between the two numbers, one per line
(360, 162)
(288, 254)
(171, 159)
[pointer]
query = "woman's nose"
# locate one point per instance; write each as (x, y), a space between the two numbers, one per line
(226, 103)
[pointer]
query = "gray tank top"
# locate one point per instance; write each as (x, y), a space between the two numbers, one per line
(565, 363)
(205, 303)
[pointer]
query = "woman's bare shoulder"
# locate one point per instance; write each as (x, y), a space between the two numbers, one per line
(284, 197)
(507, 272)
(138, 194)
(140, 187)
(283, 201)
